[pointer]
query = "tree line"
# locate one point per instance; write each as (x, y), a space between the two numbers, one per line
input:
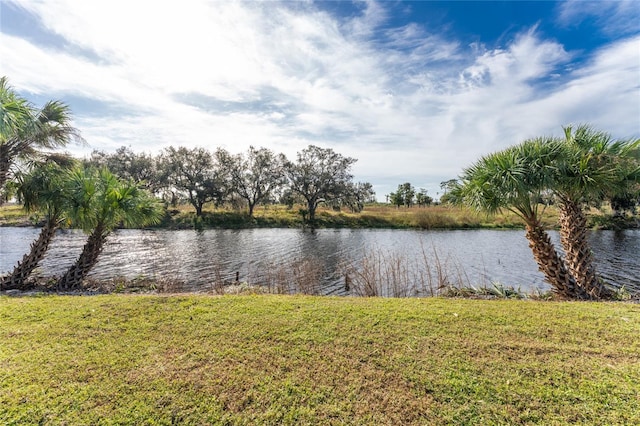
(258, 176)
(406, 195)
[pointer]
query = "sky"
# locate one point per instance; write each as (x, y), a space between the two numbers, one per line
(415, 91)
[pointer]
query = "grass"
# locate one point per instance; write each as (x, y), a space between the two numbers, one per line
(373, 216)
(14, 215)
(266, 360)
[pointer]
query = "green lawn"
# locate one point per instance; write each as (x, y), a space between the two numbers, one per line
(126, 359)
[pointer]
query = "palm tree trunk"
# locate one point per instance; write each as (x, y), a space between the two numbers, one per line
(73, 278)
(550, 263)
(30, 261)
(5, 165)
(578, 256)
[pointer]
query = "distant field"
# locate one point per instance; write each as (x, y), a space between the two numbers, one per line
(295, 360)
(14, 215)
(373, 216)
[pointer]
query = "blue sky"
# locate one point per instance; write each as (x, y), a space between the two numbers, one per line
(416, 91)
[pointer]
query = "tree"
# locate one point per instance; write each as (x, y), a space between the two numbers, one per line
(195, 173)
(288, 198)
(404, 195)
(254, 176)
(625, 202)
(128, 165)
(40, 190)
(98, 203)
(319, 175)
(593, 166)
(396, 199)
(25, 130)
(422, 199)
(16, 116)
(358, 195)
(515, 179)
(446, 187)
(409, 193)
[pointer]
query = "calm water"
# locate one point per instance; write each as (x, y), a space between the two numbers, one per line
(482, 257)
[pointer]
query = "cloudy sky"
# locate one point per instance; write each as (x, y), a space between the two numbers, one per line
(414, 90)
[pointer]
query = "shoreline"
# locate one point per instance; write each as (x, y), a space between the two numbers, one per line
(377, 217)
(158, 287)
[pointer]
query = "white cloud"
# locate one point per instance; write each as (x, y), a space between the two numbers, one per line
(611, 16)
(408, 104)
(605, 92)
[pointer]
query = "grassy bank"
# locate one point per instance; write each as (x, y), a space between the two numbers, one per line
(373, 216)
(14, 215)
(118, 359)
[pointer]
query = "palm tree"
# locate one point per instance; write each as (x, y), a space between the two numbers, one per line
(99, 203)
(592, 167)
(40, 190)
(516, 179)
(25, 130)
(15, 114)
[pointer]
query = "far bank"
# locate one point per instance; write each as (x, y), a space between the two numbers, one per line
(374, 216)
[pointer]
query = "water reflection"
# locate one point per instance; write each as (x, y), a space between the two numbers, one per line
(195, 257)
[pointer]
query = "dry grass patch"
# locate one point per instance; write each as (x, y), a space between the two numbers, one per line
(14, 215)
(279, 216)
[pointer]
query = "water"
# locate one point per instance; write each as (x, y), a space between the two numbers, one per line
(479, 257)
